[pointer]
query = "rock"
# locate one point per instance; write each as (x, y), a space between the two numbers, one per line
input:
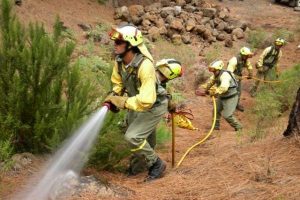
(165, 3)
(209, 12)
(177, 25)
(215, 32)
(221, 26)
(136, 20)
(190, 25)
(85, 27)
(177, 10)
(185, 16)
(176, 39)
(190, 8)
(212, 24)
(122, 13)
(146, 23)
(205, 20)
(163, 30)
(228, 43)
(166, 11)
(169, 19)
(186, 38)
(154, 7)
(223, 15)
(221, 37)
(159, 22)
(297, 8)
(136, 10)
(180, 2)
(229, 28)
(171, 32)
(217, 21)
(196, 3)
(154, 33)
(152, 18)
(238, 33)
(207, 34)
(200, 29)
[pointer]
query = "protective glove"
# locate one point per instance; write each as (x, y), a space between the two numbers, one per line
(172, 107)
(118, 101)
(212, 92)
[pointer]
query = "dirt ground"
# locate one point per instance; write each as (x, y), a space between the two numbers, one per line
(226, 166)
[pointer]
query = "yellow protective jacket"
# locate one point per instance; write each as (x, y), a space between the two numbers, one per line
(269, 57)
(236, 65)
(146, 96)
(221, 84)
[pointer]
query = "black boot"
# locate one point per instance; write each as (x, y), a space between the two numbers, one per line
(156, 170)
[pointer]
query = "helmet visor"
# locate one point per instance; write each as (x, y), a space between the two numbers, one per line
(115, 35)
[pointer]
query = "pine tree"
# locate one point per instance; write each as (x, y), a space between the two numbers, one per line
(42, 94)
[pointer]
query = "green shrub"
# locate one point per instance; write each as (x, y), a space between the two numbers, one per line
(258, 39)
(111, 148)
(163, 133)
(285, 34)
(183, 53)
(213, 54)
(44, 96)
(273, 100)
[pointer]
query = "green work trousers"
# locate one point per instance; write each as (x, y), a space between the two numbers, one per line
(239, 89)
(141, 126)
(266, 74)
(226, 108)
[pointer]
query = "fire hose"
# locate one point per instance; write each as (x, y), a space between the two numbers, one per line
(205, 138)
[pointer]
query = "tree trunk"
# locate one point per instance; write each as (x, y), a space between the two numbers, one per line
(293, 127)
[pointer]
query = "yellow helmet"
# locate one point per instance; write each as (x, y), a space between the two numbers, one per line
(246, 51)
(218, 65)
(279, 42)
(170, 68)
(128, 33)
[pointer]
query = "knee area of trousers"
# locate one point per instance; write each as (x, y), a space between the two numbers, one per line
(129, 138)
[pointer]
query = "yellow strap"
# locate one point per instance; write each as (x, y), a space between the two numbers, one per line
(207, 136)
(140, 147)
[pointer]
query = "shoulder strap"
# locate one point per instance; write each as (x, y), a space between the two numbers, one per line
(233, 78)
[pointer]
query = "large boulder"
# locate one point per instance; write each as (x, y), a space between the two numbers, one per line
(176, 39)
(146, 23)
(221, 37)
(178, 10)
(200, 29)
(170, 19)
(136, 10)
(165, 3)
(154, 33)
(180, 2)
(186, 38)
(177, 25)
(159, 22)
(166, 11)
(190, 8)
(209, 12)
(190, 25)
(136, 20)
(154, 7)
(228, 43)
(221, 26)
(122, 13)
(238, 33)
